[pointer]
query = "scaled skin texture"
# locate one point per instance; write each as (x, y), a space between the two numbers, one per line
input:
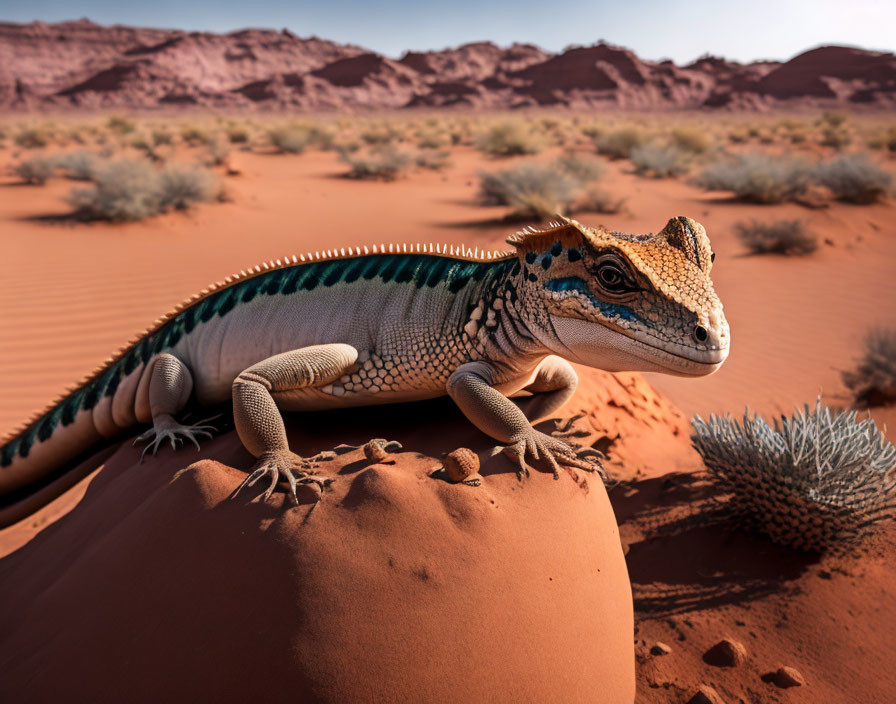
(367, 327)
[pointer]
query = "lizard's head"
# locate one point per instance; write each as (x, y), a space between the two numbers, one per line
(624, 302)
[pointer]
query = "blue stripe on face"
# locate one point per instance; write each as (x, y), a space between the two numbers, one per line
(574, 283)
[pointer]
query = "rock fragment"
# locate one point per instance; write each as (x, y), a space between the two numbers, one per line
(726, 653)
(706, 695)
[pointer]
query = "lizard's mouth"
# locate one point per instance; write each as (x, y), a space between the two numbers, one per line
(600, 346)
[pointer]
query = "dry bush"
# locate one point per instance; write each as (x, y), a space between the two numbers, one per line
(758, 177)
(835, 137)
(290, 139)
(432, 159)
(691, 140)
(160, 137)
(776, 237)
(534, 191)
(855, 179)
(193, 135)
(584, 168)
(36, 170)
(818, 480)
(599, 200)
(79, 166)
(217, 153)
(381, 134)
(659, 160)
(133, 189)
(618, 144)
(873, 381)
(384, 163)
(509, 139)
(433, 139)
(120, 125)
(32, 137)
(832, 119)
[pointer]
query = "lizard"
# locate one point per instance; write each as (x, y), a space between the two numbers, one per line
(399, 323)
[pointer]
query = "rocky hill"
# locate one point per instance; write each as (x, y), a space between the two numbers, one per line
(85, 65)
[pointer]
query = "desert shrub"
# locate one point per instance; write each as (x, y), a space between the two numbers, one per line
(433, 139)
(817, 480)
(79, 166)
(181, 186)
(32, 137)
(534, 191)
(36, 170)
(777, 237)
(619, 143)
(855, 179)
(132, 189)
(873, 381)
(690, 140)
(509, 139)
(193, 135)
(380, 134)
(120, 125)
(290, 139)
(832, 119)
(659, 160)
(834, 137)
(384, 163)
(599, 200)
(160, 137)
(217, 153)
(757, 177)
(237, 134)
(584, 168)
(433, 159)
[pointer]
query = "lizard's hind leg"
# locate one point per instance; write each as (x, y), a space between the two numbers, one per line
(169, 388)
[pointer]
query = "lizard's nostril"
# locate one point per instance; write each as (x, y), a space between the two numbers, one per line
(700, 333)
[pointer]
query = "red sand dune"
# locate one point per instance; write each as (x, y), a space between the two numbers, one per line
(85, 65)
(397, 587)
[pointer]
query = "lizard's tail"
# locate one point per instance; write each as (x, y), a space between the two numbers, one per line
(36, 460)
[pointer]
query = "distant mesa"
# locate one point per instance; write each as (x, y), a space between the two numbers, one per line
(81, 64)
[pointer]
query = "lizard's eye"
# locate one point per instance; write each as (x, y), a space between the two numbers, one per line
(613, 279)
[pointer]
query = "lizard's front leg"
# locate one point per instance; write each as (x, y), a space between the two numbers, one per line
(471, 387)
(258, 420)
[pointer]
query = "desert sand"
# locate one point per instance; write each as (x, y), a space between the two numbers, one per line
(71, 293)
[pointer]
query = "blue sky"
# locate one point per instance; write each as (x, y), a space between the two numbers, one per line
(677, 29)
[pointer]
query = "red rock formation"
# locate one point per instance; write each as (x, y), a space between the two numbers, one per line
(82, 64)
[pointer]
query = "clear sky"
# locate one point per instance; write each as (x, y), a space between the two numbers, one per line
(678, 29)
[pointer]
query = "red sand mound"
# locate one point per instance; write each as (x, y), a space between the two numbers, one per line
(85, 65)
(397, 587)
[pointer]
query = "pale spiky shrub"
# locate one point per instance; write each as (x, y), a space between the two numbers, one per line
(618, 144)
(133, 189)
(382, 164)
(381, 134)
(873, 381)
(758, 177)
(36, 170)
(659, 160)
(534, 191)
(818, 480)
(509, 139)
(776, 237)
(855, 179)
(79, 166)
(217, 153)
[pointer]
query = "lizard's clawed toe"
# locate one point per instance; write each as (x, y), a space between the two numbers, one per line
(289, 466)
(174, 432)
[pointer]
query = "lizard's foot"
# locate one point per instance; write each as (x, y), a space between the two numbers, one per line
(557, 452)
(166, 428)
(292, 467)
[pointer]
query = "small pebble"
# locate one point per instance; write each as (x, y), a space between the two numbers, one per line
(461, 465)
(660, 649)
(378, 449)
(726, 653)
(786, 677)
(706, 695)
